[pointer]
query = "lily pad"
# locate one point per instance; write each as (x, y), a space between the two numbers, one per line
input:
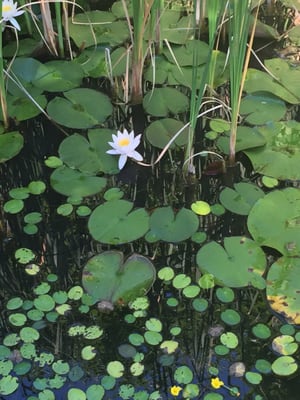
(193, 53)
(241, 199)
(260, 109)
(93, 27)
(280, 157)
(160, 132)
(162, 101)
(23, 108)
(233, 265)
(274, 221)
(114, 222)
(80, 108)
(11, 144)
(167, 225)
(60, 76)
(107, 278)
(70, 182)
(259, 81)
(284, 366)
(283, 288)
(247, 138)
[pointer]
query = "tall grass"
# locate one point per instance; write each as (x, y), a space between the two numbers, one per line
(215, 11)
(239, 24)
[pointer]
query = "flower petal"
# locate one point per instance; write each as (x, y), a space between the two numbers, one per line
(135, 155)
(122, 161)
(114, 152)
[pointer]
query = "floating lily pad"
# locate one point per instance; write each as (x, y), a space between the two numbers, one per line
(274, 221)
(259, 81)
(260, 109)
(167, 225)
(160, 132)
(59, 76)
(284, 366)
(283, 288)
(241, 199)
(80, 108)
(193, 53)
(71, 182)
(162, 101)
(8, 384)
(114, 222)
(93, 27)
(280, 157)
(11, 144)
(247, 138)
(233, 265)
(23, 108)
(262, 331)
(284, 345)
(88, 156)
(107, 277)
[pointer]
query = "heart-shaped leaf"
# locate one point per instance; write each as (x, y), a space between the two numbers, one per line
(71, 182)
(260, 109)
(169, 226)
(162, 101)
(280, 157)
(11, 144)
(283, 288)
(274, 221)
(81, 108)
(107, 278)
(241, 199)
(114, 222)
(160, 132)
(234, 265)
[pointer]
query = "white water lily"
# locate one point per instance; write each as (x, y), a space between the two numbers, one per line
(124, 144)
(9, 12)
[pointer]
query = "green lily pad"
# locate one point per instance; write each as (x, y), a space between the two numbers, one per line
(24, 255)
(233, 265)
(229, 339)
(114, 222)
(280, 157)
(107, 278)
(284, 366)
(283, 288)
(193, 53)
(13, 206)
(183, 375)
(23, 108)
(262, 331)
(284, 345)
(88, 156)
(94, 27)
(259, 81)
(115, 369)
(260, 109)
(8, 384)
(11, 144)
(173, 227)
(70, 182)
(274, 221)
(59, 77)
(162, 101)
(247, 138)
(241, 199)
(80, 108)
(160, 132)
(230, 317)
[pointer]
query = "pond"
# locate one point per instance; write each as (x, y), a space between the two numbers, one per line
(150, 219)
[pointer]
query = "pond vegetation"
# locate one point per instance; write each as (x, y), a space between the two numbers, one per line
(150, 228)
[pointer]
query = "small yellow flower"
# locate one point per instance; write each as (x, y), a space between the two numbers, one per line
(216, 383)
(175, 390)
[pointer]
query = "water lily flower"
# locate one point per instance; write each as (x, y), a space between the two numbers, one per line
(124, 144)
(175, 390)
(9, 12)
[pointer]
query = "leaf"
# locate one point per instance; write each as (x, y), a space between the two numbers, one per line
(162, 101)
(235, 264)
(169, 226)
(274, 221)
(80, 108)
(107, 278)
(114, 222)
(160, 132)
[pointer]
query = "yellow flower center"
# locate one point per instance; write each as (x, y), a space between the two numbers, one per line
(6, 8)
(123, 142)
